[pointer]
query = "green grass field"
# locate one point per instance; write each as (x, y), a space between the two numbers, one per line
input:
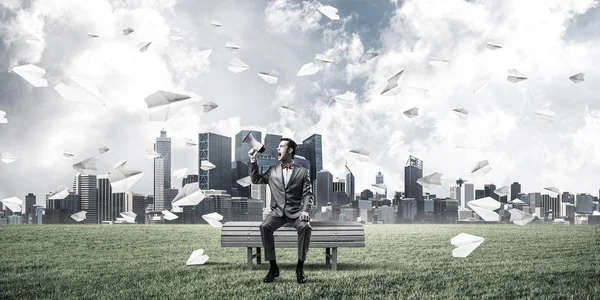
(399, 262)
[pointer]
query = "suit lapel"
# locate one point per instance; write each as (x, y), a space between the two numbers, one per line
(295, 171)
(279, 175)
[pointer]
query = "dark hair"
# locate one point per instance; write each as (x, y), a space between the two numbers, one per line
(291, 144)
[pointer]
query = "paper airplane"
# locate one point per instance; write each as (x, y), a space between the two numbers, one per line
(32, 39)
(197, 258)
(92, 35)
(482, 165)
(60, 193)
(517, 201)
(213, 219)
(411, 113)
(552, 189)
(86, 164)
(308, 69)
(78, 89)
(492, 45)
(346, 100)
(515, 76)
(149, 153)
(465, 244)
(501, 192)
(80, 216)
(169, 215)
(122, 180)
(163, 105)
(3, 120)
(380, 186)
(520, 217)
(287, 109)
(103, 149)
(321, 60)
(32, 74)
(480, 86)
(231, 46)
(120, 164)
(215, 23)
(361, 152)
(180, 173)
(431, 181)
(68, 153)
(438, 62)
(369, 55)
(485, 208)
(128, 216)
(7, 158)
(246, 181)
(208, 106)
(462, 112)
(190, 142)
(330, 12)
(189, 195)
(14, 204)
(143, 46)
(127, 31)
(206, 165)
(546, 114)
(237, 66)
(577, 78)
(392, 83)
(270, 76)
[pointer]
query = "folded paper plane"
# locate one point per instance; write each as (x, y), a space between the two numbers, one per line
(392, 83)
(79, 216)
(189, 195)
(197, 258)
(431, 181)
(515, 76)
(411, 113)
(465, 244)
(206, 165)
(330, 12)
(86, 164)
(246, 181)
(169, 215)
(33, 74)
(520, 217)
(213, 219)
(122, 180)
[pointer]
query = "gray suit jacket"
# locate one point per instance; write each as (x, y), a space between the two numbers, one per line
(293, 199)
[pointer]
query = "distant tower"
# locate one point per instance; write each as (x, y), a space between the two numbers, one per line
(379, 178)
(413, 171)
(162, 171)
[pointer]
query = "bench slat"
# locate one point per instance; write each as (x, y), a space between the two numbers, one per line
(312, 223)
(353, 238)
(256, 228)
(292, 233)
(294, 244)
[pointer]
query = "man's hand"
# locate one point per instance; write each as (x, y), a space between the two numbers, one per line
(252, 153)
(304, 216)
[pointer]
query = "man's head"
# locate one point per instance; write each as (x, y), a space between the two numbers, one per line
(287, 149)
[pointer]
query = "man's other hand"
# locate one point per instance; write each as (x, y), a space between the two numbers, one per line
(304, 216)
(252, 153)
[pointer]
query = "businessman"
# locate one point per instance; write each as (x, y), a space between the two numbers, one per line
(291, 202)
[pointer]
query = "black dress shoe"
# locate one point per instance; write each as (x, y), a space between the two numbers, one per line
(300, 277)
(271, 275)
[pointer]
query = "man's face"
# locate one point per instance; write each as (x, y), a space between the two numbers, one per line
(283, 151)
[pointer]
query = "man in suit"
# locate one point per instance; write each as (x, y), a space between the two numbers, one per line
(291, 202)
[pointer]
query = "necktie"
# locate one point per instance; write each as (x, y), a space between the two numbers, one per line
(286, 166)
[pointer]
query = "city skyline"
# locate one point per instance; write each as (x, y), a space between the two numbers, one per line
(443, 66)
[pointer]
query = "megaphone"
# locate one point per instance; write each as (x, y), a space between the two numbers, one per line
(258, 146)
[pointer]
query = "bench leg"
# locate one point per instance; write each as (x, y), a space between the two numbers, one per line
(249, 258)
(258, 257)
(327, 253)
(334, 258)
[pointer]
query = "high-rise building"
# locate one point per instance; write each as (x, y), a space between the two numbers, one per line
(550, 204)
(479, 194)
(29, 203)
(162, 171)
(217, 150)
(567, 197)
(135, 203)
(535, 200)
(413, 171)
(339, 185)
(191, 179)
(454, 192)
(242, 160)
(259, 191)
(366, 194)
(515, 190)
(379, 180)
(584, 204)
(324, 191)
(350, 185)
(89, 197)
(312, 149)
(489, 191)
(106, 210)
(469, 194)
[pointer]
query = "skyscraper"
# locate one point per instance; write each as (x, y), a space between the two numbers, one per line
(242, 160)
(162, 170)
(479, 194)
(89, 197)
(413, 171)
(217, 150)
(489, 191)
(105, 203)
(350, 185)
(469, 194)
(324, 193)
(29, 203)
(379, 180)
(312, 149)
(515, 190)
(191, 179)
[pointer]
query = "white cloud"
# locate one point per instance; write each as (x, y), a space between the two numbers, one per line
(284, 15)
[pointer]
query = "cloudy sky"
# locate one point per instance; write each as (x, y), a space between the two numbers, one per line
(548, 41)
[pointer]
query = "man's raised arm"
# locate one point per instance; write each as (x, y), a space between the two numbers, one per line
(255, 175)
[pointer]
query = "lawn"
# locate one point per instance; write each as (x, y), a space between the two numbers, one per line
(399, 262)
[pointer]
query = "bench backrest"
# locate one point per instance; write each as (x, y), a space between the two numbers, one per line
(325, 234)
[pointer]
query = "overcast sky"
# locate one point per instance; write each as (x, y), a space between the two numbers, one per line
(548, 41)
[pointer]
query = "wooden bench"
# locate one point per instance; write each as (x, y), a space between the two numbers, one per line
(325, 234)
